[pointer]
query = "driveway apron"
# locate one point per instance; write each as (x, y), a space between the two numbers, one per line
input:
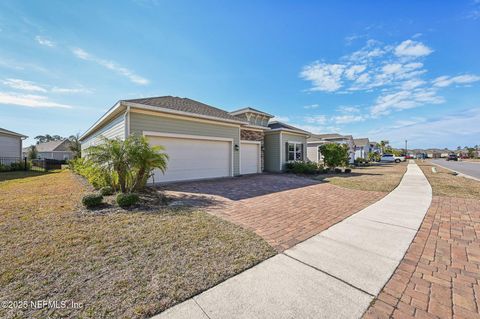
(335, 274)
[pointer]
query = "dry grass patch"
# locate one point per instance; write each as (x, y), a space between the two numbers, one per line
(117, 265)
(379, 178)
(445, 183)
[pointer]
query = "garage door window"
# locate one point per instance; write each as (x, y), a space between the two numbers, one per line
(295, 151)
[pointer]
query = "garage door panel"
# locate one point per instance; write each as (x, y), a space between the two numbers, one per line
(193, 158)
(249, 158)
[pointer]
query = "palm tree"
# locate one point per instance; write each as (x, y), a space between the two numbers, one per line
(111, 156)
(75, 146)
(383, 144)
(132, 160)
(144, 159)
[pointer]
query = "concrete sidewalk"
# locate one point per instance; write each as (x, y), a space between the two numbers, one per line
(335, 274)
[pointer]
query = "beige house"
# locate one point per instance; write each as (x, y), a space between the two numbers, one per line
(201, 141)
(10, 145)
(316, 140)
(57, 150)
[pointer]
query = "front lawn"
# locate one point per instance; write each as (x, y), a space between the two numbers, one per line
(378, 177)
(446, 183)
(116, 265)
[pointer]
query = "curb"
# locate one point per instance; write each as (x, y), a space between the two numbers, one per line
(458, 173)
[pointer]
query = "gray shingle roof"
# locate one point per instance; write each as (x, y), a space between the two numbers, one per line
(360, 141)
(186, 105)
(61, 145)
(279, 125)
(250, 109)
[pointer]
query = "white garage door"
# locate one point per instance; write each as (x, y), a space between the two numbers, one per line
(193, 158)
(249, 158)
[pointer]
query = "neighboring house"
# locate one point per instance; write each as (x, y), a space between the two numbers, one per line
(201, 141)
(362, 147)
(316, 140)
(10, 146)
(375, 147)
(57, 150)
(284, 143)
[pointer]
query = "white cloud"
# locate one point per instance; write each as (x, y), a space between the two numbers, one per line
(70, 90)
(84, 55)
(444, 81)
(29, 100)
(44, 41)
(402, 100)
(311, 106)
(410, 48)
(352, 72)
(23, 85)
(345, 119)
(316, 119)
(348, 109)
(324, 77)
(435, 131)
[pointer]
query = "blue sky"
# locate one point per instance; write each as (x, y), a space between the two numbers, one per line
(380, 69)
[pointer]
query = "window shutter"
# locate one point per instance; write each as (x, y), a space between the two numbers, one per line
(303, 152)
(286, 152)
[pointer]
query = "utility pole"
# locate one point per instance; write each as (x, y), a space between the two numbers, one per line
(406, 149)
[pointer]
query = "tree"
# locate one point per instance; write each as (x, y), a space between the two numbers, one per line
(471, 152)
(335, 154)
(373, 157)
(383, 145)
(32, 152)
(75, 145)
(131, 161)
(47, 138)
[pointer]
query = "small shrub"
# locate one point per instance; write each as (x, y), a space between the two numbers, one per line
(348, 170)
(299, 167)
(92, 200)
(127, 200)
(337, 170)
(107, 190)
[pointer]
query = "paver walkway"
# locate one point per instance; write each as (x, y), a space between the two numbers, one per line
(440, 274)
(335, 274)
(283, 209)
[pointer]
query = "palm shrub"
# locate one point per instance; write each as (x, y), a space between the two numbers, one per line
(129, 162)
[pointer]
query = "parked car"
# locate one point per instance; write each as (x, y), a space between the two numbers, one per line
(392, 158)
(452, 157)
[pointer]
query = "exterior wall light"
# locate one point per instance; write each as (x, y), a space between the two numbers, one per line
(237, 147)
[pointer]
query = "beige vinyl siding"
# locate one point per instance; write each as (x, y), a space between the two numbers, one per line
(57, 155)
(272, 152)
(10, 146)
(113, 129)
(140, 123)
(312, 152)
(287, 137)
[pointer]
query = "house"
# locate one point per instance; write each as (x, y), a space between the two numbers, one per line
(316, 140)
(375, 147)
(10, 146)
(57, 150)
(201, 141)
(362, 147)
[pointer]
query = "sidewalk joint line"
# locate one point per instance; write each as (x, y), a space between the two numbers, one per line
(385, 223)
(200, 307)
(328, 274)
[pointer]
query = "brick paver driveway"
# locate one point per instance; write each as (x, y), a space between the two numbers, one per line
(439, 276)
(283, 209)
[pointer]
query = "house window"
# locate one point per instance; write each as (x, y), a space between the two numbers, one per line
(294, 151)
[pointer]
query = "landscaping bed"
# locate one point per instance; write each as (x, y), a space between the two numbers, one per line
(114, 264)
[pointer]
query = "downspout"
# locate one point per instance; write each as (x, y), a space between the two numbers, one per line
(126, 119)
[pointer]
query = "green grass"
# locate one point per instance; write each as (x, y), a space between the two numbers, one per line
(117, 265)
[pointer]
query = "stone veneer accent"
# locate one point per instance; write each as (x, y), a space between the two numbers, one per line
(250, 135)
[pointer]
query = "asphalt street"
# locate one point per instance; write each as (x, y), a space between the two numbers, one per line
(467, 168)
